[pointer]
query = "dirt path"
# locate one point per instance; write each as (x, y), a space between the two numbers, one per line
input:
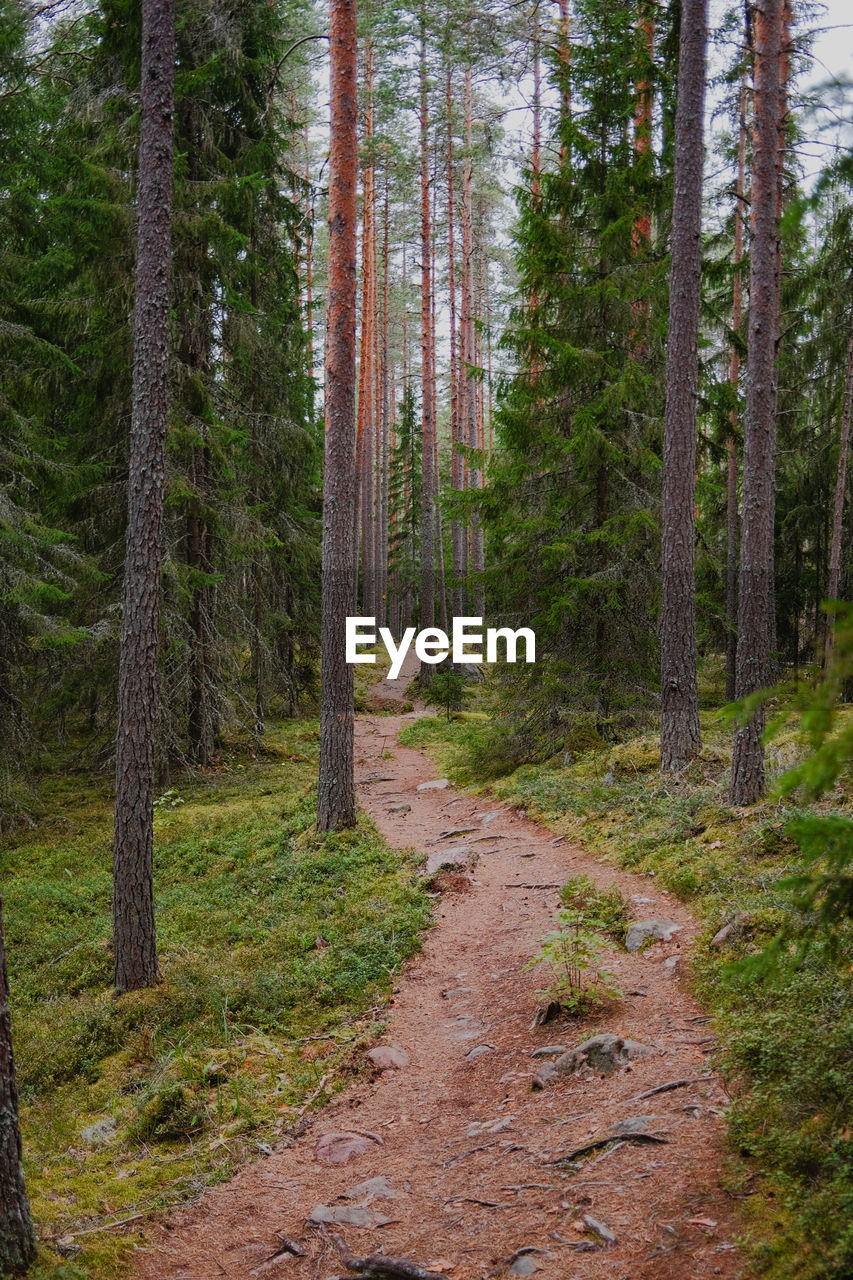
(467, 1146)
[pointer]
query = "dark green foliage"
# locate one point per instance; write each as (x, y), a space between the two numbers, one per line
(571, 508)
(404, 502)
(445, 690)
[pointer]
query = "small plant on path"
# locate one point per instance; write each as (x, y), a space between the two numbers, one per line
(573, 951)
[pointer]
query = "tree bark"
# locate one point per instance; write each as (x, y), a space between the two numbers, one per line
(732, 521)
(366, 372)
(133, 854)
(336, 785)
(469, 356)
(756, 555)
(385, 373)
(17, 1234)
(838, 505)
(428, 406)
(458, 535)
(680, 739)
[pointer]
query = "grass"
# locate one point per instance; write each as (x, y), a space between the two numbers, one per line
(785, 1027)
(277, 948)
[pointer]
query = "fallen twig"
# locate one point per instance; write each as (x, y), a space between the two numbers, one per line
(525, 885)
(673, 1084)
(381, 1267)
(464, 1154)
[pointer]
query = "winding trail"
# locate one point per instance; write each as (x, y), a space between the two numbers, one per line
(465, 1143)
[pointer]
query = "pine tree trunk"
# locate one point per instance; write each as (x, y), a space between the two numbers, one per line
(428, 406)
(755, 603)
(17, 1234)
(458, 534)
(680, 739)
(564, 56)
(201, 728)
(469, 357)
(336, 785)
(732, 521)
(384, 519)
(366, 373)
(133, 857)
(838, 505)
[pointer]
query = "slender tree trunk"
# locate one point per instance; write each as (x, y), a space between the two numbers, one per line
(838, 505)
(309, 258)
(17, 1234)
(564, 55)
(458, 534)
(680, 735)
(469, 356)
(732, 522)
(133, 851)
(756, 579)
(644, 102)
(428, 405)
(782, 132)
(336, 786)
(200, 720)
(440, 583)
(385, 409)
(366, 374)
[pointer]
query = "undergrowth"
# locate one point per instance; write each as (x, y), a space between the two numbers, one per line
(277, 948)
(785, 1021)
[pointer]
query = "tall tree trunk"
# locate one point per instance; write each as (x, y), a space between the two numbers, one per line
(336, 785)
(133, 851)
(385, 408)
(644, 103)
(732, 522)
(17, 1234)
(563, 57)
(680, 738)
(838, 506)
(428, 405)
(200, 719)
(469, 356)
(366, 372)
(458, 534)
(309, 257)
(440, 583)
(759, 463)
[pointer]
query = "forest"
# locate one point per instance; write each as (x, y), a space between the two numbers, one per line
(533, 317)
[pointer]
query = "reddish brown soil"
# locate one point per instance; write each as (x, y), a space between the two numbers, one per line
(467, 1145)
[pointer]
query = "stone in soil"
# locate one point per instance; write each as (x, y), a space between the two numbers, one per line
(604, 1053)
(400, 808)
(388, 1057)
(642, 929)
(478, 1051)
(349, 1215)
(340, 1148)
(437, 784)
(378, 1188)
(459, 856)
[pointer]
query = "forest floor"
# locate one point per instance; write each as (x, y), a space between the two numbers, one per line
(464, 1150)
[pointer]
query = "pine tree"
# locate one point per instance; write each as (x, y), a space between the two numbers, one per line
(755, 595)
(680, 733)
(336, 787)
(133, 859)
